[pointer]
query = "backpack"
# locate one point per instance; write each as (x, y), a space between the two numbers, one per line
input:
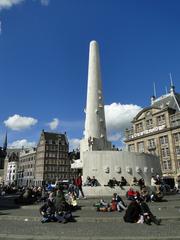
(114, 205)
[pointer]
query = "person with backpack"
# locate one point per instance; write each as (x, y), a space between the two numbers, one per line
(119, 202)
(47, 210)
(62, 208)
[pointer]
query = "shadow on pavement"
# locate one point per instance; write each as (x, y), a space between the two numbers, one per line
(7, 202)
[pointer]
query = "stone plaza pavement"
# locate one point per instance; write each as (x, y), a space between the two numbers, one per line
(23, 222)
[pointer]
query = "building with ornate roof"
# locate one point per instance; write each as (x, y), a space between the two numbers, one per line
(11, 165)
(52, 160)
(156, 130)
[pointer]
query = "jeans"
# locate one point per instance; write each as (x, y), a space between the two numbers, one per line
(120, 206)
(77, 190)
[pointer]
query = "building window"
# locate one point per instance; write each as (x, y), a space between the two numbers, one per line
(165, 152)
(175, 120)
(151, 144)
(139, 127)
(161, 120)
(178, 163)
(178, 150)
(167, 165)
(163, 140)
(131, 148)
(149, 123)
(140, 146)
(177, 137)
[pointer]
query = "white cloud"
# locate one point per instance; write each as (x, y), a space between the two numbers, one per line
(53, 124)
(45, 2)
(74, 143)
(9, 3)
(115, 137)
(21, 143)
(5, 4)
(18, 122)
(119, 116)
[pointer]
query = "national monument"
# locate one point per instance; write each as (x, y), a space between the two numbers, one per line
(97, 156)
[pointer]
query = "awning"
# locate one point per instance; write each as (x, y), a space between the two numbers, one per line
(77, 164)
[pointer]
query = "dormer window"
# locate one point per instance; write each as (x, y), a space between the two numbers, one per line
(161, 120)
(139, 127)
(149, 123)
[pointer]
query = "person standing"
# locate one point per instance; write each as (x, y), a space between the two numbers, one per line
(78, 184)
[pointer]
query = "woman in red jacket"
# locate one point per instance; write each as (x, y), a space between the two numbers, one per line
(78, 184)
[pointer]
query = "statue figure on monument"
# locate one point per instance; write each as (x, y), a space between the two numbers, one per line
(90, 143)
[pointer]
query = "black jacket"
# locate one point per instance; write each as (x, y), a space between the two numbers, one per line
(133, 212)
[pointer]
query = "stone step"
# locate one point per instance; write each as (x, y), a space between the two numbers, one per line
(157, 206)
(88, 230)
(100, 191)
(50, 237)
(81, 219)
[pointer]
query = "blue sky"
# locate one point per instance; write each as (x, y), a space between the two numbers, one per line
(44, 60)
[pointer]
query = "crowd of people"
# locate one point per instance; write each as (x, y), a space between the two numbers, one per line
(61, 200)
(57, 208)
(137, 210)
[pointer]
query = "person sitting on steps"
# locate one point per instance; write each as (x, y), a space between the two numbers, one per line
(119, 202)
(88, 181)
(123, 182)
(113, 182)
(94, 182)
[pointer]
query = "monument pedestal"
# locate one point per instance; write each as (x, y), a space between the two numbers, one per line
(101, 191)
(105, 165)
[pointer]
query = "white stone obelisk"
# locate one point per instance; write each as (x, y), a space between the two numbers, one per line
(95, 137)
(95, 126)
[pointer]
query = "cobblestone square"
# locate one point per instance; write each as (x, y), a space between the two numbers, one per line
(23, 222)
